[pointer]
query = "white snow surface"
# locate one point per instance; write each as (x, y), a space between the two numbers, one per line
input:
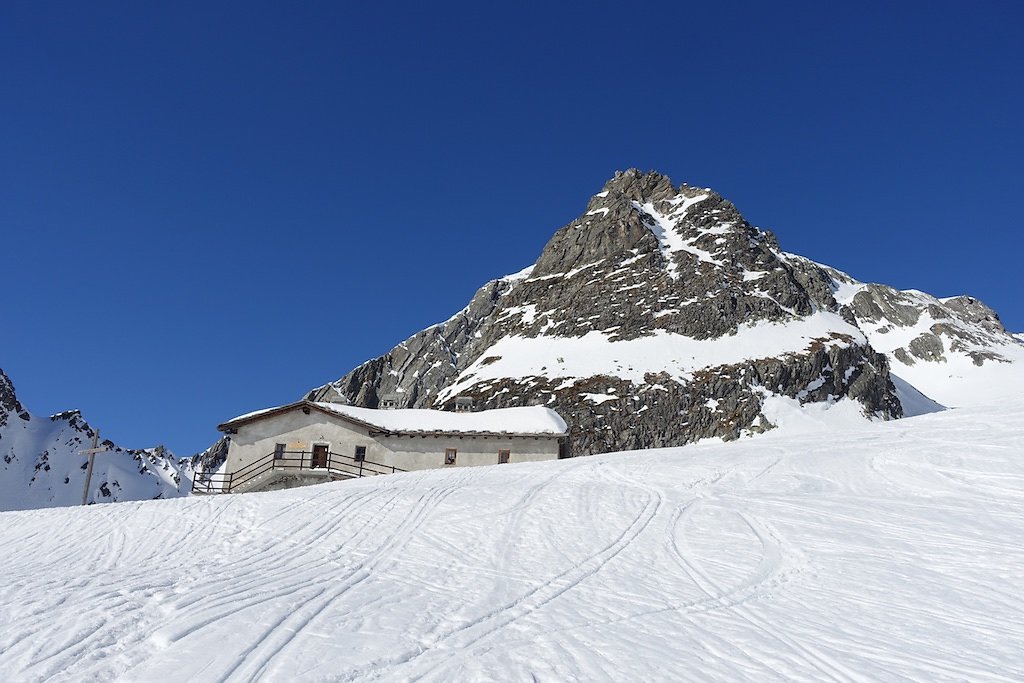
(519, 274)
(885, 552)
(913, 401)
(521, 420)
(596, 354)
(665, 228)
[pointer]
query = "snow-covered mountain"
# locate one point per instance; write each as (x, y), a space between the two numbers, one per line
(661, 316)
(41, 466)
(954, 349)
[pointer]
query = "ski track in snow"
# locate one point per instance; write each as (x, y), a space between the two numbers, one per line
(891, 552)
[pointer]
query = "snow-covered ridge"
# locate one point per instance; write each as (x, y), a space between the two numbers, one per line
(519, 274)
(507, 282)
(953, 349)
(41, 464)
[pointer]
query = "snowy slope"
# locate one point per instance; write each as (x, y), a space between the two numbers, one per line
(885, 551)
(662, 354)
(954, 350)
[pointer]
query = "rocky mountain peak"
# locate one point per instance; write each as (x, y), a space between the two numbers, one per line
(636, 185)
(656, 256)
(657, 300)
(977, 312)
(9, 403)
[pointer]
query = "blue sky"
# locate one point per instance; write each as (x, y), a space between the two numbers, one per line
(208, 208)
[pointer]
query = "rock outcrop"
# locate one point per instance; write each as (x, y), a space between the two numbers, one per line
(658, 317)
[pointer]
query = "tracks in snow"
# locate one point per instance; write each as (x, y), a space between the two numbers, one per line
(757, 562)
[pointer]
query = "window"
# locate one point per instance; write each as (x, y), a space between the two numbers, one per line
(360, 453)
(449, 456)
(503, 454)
(278, 451)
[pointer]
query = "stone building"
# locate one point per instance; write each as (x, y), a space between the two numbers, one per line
(309, 442)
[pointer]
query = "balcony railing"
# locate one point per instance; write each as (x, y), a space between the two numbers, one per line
(331, 465)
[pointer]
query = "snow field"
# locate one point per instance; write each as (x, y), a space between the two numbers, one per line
(889, 551)
(596, 354)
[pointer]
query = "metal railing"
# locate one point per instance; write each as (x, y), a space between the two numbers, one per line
(333, 466)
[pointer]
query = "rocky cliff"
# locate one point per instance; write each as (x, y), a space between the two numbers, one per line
(40, 463)
(658, 317)
(953, 349)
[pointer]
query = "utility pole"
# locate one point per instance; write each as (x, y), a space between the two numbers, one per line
(91, 452)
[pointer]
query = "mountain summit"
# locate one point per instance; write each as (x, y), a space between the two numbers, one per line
(658, 317)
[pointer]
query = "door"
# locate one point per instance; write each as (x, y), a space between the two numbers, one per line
(319, 456)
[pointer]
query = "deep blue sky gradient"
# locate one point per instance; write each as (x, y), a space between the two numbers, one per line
(208, 208)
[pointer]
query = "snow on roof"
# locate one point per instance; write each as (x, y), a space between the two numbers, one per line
(524, 420)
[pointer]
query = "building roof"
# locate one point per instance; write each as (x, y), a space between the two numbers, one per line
(524, 421)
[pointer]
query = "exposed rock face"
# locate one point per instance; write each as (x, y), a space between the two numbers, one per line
(940, 329)
(658, 317)
(954, 350)
(878, 302)
(646, 256)
(975, 312)
(418, 367)
(201, 466)
(40, 463)
(9, 403)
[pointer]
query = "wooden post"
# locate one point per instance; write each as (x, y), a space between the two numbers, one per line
(91, 452)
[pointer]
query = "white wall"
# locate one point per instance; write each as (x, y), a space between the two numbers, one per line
(298, 431)
(419, 453)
